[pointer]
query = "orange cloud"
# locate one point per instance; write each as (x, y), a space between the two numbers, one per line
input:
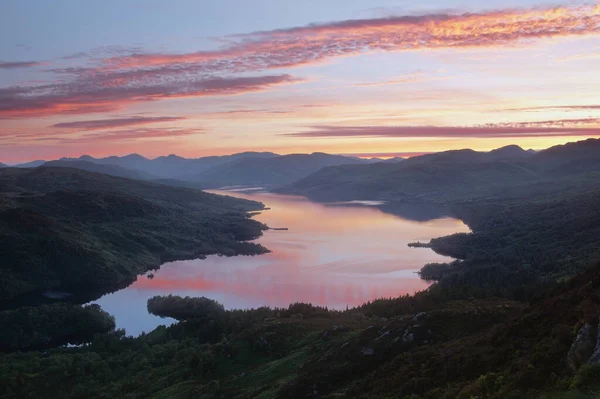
(560, 128)
(314, 43)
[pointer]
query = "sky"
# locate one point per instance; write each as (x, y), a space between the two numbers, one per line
(361, 77)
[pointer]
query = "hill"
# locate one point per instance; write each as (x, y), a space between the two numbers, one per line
(32, 164)
(431, 345)
(63, 227)
(107, 169)
(533, 218)
(3, 166)
(270, 171)
(171, 166)
(450, 176)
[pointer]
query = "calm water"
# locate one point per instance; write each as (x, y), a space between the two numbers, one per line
(336, 256)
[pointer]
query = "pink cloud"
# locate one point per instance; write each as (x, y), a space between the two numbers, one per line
(514, 130)
(317, 42)
(97, 93)
(114, 123)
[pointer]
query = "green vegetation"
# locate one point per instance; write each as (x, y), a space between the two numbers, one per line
(534, 218)
(517, 315)
(49, 326)
(426, 346)
(63, 227)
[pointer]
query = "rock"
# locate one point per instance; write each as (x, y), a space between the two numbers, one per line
(270, 319)
(583, 347)
(368, 351)
(408, 337)
(419, 316)
(385, 334)
(341, 328)
(595, 358)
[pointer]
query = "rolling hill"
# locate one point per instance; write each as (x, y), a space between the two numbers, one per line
(63, 227)
(270, 171)
(450, 176)
(107, 169)
(32, 164)
(171, 166)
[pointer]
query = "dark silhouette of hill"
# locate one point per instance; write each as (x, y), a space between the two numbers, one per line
(451, 176)
(63, 227)
(270, 171)
(171, 166)
(112, 170)
(32, 164)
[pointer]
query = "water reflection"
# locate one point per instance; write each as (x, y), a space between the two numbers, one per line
(336, 256)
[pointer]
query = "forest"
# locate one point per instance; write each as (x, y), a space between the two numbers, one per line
(66, 228)
(515, 315)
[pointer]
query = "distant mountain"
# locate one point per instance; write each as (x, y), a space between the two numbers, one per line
(453, 175)
(171, 166)
(111, 170)
(32, 164)
(3, 165)
(393, 160)
(270, 171)
(586, 149)
(508, 152)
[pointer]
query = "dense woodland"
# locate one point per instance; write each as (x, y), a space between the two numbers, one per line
(516, 315)
(63, 227)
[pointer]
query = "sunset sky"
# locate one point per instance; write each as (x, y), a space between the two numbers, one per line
(362, 77)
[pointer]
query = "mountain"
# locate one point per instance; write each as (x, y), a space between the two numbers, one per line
(451, 175)
(32, 164)
(3, 165)
(270, 171)
(508, 152)
(62, 227)
(171, 166)
(393, 160)
(107, 169)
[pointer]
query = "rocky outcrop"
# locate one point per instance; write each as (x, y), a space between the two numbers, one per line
(584, 346)
(595, 358)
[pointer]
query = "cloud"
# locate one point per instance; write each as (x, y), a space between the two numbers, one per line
(119, 76)
(114, 123)
(487, 131)
(317, 42)
(123, 135)
(556, 107)
(101, 93)
(18, 64)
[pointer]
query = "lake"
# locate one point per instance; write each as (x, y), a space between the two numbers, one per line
(337, 255)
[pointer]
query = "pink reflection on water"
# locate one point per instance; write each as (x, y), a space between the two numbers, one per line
(333, 256)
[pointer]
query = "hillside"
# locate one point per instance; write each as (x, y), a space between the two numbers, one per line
(171, 166)
(108, 169)
(270, 171)
(32, 164)
(450, 176)
(533, 218)
(432, 345)
(62, 227)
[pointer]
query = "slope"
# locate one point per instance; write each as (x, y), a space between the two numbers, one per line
(63, 227)
(271, 171)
